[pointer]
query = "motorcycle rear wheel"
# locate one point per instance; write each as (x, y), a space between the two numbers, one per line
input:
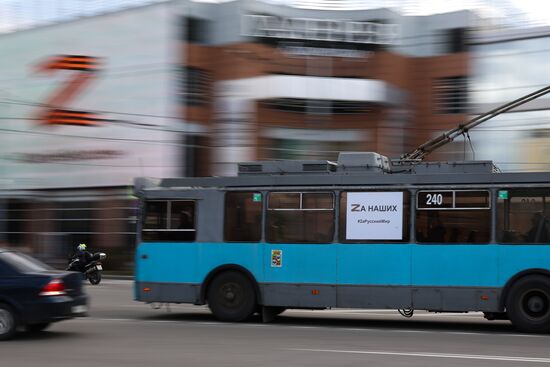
(94, 278)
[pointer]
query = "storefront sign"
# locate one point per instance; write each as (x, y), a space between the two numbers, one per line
(374, 216)
(319, 29)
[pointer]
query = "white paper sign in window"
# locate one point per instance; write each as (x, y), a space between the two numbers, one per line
(374, 216)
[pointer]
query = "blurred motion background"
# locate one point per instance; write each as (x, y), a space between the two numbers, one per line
(94, 93)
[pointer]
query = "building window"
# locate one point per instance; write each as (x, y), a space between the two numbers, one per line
(243, 217)
(317, 107)
(451, 95)
(169, 221)
(445, 216)
(74, 221)
(309, 149)
(457, 40)
(195, 155)
(195, 30)
(14, 218)
(194, 86)
(522, 216)
(296, 217)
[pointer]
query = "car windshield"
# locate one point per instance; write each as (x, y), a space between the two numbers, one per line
(23, 263)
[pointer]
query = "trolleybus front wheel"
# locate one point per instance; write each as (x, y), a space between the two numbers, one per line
(231, 297)
(528, 304)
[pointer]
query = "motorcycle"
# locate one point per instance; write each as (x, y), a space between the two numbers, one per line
(92, 270)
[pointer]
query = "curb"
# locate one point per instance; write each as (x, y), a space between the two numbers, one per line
(117, 277)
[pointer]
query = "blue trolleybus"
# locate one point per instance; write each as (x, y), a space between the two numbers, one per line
(362, 232)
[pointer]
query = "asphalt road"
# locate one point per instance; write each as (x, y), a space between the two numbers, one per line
(121, 332)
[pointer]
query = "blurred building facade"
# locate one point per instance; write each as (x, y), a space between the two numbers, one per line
(273, 82)
(86, 106)
(188, 89)
(507, 64)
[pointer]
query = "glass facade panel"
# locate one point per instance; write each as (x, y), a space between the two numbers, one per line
(194, 86)
(308, 149)
(13, 220)
(451, 95)
(502, 72)
(507, 70)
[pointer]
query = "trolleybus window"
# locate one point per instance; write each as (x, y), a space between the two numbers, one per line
(523, 216)
(155, 214)
(375, 216)
(169, 221)
(453, 216)
(243, 217)
(296, 217)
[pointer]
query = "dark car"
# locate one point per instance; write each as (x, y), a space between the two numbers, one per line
(33, 295)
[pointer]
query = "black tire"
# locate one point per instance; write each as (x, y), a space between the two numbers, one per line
(278, 310)
(528, 304)
(35, 328)
(231, 297)
(94, 277)
(491, 316)
(8, 322)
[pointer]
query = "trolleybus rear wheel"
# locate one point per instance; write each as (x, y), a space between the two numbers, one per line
(231, 297)
(528, 304)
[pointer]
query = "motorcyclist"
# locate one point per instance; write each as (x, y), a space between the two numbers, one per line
(83, 256)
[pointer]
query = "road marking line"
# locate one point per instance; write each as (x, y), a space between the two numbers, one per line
(418, 331)
(388, 311)
(472, 315)
(431, 355)
(112, 282)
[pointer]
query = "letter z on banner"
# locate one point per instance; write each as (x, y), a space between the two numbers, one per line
(374, 216)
